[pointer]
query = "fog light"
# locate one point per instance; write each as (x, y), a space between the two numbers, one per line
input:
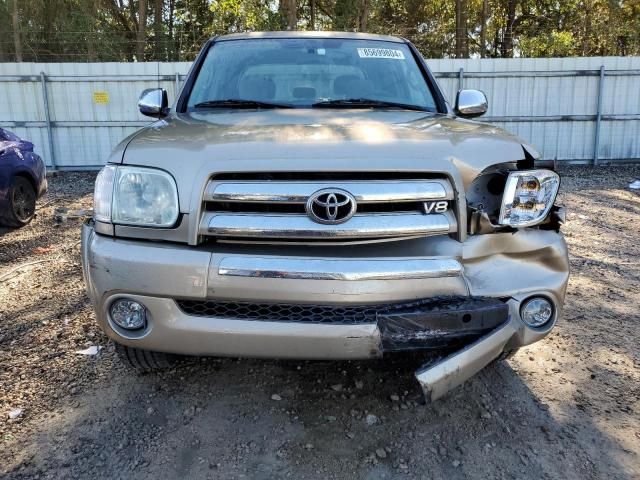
(536, 311)
(128, 314)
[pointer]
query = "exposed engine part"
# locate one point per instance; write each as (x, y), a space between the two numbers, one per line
(480, 223)
(557, 216)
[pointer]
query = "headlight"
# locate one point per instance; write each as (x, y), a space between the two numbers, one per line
(528, 197)
(138, 196)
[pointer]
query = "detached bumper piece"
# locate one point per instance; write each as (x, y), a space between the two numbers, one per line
(439, 322)
(481, 326)
(438, 379)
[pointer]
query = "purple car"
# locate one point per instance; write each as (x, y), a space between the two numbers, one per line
(22, 180)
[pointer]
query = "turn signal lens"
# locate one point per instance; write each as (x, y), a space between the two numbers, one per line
(103, 194)
(528, 197)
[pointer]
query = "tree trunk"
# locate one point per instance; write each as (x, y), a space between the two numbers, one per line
(461, 29)
(465, 36)
(4, 34)
(483, 28)
(312, 8)
(458, 43)
(47, 26)
(363, 15)
(141, 33)
(289, 12)
(586, 30)
(90, 11)
(17, 41)
(157, 27)
(507, 42)
(171, 37)
(292, 15)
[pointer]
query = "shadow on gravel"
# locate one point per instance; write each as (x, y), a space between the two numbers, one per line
(223, 418)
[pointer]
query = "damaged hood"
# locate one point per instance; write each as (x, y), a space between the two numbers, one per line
(201, 143)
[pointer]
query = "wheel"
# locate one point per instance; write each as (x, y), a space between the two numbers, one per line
(22, 203)
(146, 360)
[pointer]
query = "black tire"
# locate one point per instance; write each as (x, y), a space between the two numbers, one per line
(22, 203)
(146, 360)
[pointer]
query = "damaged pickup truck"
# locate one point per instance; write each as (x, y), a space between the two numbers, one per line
(313, 195)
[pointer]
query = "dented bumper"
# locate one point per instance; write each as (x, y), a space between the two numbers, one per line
(429, 293)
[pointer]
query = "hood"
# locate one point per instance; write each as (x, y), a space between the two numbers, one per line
(202, 143)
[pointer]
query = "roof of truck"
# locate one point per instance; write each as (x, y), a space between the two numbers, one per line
(313, 34)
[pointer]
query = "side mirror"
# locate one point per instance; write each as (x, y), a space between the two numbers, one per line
(471, 103)
(154, 103)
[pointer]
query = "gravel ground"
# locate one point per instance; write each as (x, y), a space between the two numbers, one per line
(567, 407)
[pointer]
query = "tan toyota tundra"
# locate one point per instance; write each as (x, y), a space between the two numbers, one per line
(315, 196)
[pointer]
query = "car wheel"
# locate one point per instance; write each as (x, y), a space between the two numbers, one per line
(22, 203)
(146, 360)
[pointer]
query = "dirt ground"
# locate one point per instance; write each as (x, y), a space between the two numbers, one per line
(567, 407)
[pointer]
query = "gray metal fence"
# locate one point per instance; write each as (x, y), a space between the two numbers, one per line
(577, 110)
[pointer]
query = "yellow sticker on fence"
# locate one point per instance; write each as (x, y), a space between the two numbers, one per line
(101, 98)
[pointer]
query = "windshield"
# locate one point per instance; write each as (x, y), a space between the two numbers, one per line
(310, 72)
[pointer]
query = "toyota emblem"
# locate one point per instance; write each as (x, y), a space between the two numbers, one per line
(331, 206)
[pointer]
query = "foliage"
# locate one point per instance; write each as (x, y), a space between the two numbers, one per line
(125, 30)
(231, 16)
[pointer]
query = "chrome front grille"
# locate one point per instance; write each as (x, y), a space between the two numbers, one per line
(298, 192)
(274, 209)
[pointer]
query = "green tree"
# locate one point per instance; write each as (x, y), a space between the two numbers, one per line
(230, 16)
(174, 30)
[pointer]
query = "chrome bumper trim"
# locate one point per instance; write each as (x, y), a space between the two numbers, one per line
(299, 191)
(338, 268)
(301, 226)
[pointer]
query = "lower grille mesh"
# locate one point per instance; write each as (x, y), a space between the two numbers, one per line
(281, 312)
(331, 314)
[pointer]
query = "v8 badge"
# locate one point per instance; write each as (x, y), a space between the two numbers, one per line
(435, 207)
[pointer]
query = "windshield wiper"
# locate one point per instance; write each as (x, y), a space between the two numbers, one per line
(366, 103)
(240, 103)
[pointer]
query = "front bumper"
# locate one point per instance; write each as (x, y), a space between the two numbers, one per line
(510, 267)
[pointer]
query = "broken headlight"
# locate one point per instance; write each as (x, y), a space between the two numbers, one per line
(137, 196)
(528, 197)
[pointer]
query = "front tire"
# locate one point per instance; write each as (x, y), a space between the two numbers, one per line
(146, 360)
(22, 203)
